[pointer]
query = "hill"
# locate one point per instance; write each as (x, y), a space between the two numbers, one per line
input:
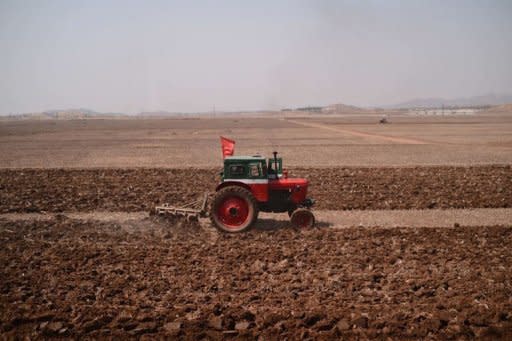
(64, 114)
(341, 109)
(437, 102)
(499, 109)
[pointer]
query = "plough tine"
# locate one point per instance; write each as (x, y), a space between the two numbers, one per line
(190, 211)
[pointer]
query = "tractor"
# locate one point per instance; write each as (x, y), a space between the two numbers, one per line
(250, 184)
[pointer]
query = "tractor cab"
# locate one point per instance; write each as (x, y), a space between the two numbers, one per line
(253, 167)
(244, 167)
(266, 180)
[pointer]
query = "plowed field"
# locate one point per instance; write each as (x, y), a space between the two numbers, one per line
(62, 277)
(55, 190)
(74, 279)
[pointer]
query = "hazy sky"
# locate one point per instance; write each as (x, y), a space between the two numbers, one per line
(131, 56)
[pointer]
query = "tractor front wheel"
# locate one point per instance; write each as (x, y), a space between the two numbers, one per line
(303, 218)
(233, 209)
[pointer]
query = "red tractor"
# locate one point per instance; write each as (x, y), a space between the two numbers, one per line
(250, 184)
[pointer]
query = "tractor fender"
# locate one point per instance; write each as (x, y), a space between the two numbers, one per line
(258, 190)
(232, 183)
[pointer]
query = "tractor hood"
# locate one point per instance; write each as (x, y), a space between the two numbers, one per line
(298, 188)
(289, 183)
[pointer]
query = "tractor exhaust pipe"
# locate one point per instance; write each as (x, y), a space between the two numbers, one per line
(275, 164)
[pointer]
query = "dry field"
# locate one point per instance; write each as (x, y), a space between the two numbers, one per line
(81, 258)
(309, 141)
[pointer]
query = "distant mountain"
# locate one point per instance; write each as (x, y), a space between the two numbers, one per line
(490, 99)
(341, 108)
(75, 111)
(64, 114)
(338, 108)
(158, 114)
(82, 113)
(500, 109)
(70, 113)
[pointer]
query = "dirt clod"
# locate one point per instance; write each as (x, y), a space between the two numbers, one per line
(173, 326)
(343, 325)
(215, 322)
(242, 325)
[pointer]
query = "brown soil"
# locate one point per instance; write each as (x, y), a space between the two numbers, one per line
(57, 190)
(62, 277)
(70, 278)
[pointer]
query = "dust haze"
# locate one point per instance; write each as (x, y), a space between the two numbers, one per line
(192, 57)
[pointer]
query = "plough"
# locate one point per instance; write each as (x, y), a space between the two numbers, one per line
(191, 211)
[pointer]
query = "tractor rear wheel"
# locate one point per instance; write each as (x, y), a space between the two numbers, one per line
(233, 209)
(303, 218)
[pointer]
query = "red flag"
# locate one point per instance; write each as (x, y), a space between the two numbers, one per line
(228, 146)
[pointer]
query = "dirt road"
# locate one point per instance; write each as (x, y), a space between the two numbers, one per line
(324, 218)
(352, 132)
